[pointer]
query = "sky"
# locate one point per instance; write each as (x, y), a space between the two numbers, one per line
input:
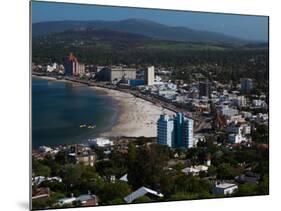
(241, 26)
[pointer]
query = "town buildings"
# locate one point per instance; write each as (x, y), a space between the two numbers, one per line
(184, 131)
(204, 89)
(195, 170)
(236, 138)
(52, 68)
(246, 85)
(72, 66)
(224, 188)
(176, 132)
(116, 74)
(238, 132)
(165, 131)
(81, 155)
(149, 76)
(100, 142)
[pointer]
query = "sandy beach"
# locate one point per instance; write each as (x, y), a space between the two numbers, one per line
(137, 117)
(49, 78)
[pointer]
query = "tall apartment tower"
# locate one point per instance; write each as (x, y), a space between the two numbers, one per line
(246, 85)
(72, 66)
(204, 89)
(183, 131)
(165, 130)
(176, 132)
(149, 76)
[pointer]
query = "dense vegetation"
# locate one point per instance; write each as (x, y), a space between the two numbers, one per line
(138, 26)
(148, 165)
(217, 61)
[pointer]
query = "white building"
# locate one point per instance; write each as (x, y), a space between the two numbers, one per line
(165, 130)
(240, 101)
(259, 104)
(45, 149)
(246, 129)
(52, 68)
(262, 117)
(176, 132)
(65, 201)
(242, 129)
(157, 79)
(195, 170)
(224, 188)
(39, 179)
(163, 92)
(246, 114)
(149, 76)
(229, 112)
(235, 119)
(236, 138)
(100, 142)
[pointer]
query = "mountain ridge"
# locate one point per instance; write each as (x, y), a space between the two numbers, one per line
(137, 26)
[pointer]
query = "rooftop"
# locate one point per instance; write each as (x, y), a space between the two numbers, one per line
(225, 185)
(141, 192)
(85, 197)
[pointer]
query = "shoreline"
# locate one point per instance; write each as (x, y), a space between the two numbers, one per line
(135, 116)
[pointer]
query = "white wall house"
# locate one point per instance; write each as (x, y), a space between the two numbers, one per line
(236, 138)
(65, 201)
(224, 189)
(100, 142)
(195, 170)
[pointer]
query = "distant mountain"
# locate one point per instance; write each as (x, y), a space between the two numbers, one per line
(101, 34)
(136, 26)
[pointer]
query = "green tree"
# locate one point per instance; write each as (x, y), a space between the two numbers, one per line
(40, 169)
(73, 174)
(143, 199)
(113, 191)
(147, 166)
(263, 187)
(226, 171)
(183, 196)
(246, 190)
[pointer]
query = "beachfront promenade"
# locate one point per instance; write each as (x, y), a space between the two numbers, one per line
(135, 93)
(147, 97)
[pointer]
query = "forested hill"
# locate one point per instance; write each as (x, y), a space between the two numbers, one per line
(102, 46)
(137, 26)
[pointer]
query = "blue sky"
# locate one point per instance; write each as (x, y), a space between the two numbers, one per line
(245, 27)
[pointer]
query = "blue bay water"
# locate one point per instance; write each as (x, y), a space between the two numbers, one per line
(59, 108)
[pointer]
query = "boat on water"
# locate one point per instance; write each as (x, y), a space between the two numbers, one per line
(91, 126)
(87, 126)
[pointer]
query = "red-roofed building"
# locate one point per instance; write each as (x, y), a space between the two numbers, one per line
(72, 66)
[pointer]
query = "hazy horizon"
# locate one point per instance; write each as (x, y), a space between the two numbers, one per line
(246, 27)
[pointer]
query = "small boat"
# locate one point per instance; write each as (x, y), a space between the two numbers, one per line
(91, 126)
(87, 126)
